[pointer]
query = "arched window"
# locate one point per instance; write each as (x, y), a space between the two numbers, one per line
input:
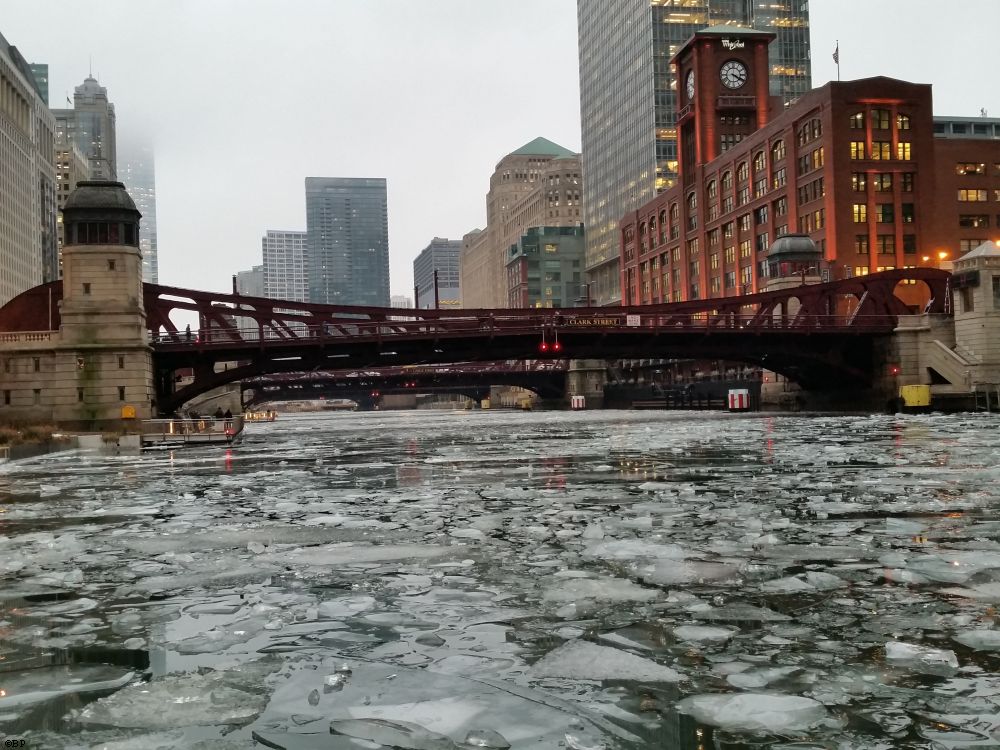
(663, 226)
(692, 203)
(778, 151)
(712, 189)
(902, 122)
(742, 172)
(674, 212)
(727, 180)
(759, 162)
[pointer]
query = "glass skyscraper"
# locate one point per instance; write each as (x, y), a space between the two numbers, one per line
(347, 228)
(628, 101)
(137, 171)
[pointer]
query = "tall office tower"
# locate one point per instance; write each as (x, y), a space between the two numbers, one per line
(440, 255)
(285, 265)
(629, 101)
(137, 172)
(91, 123)
(347, 247)
(28, 248)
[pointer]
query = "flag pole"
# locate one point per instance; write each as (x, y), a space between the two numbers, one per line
(836, 57)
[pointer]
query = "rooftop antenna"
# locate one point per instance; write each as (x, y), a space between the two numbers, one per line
(90, 66)
(983, 112)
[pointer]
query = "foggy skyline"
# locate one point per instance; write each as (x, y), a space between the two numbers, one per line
(244, 100)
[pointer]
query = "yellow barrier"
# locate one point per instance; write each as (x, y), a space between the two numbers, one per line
(915, 395)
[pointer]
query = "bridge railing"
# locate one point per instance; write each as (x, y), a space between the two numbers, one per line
(564, 321)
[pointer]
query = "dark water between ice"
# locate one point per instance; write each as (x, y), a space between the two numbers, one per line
(471, 579)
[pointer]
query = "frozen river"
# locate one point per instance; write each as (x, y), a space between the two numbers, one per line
(436, 580)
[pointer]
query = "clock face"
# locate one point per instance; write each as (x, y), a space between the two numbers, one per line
(690, 84)
(733, 74)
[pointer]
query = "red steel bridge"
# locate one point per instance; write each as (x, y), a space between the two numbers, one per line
(823, 336)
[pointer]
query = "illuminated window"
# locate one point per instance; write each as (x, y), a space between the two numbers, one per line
(902, 122)
(860, 213)
(857, 150)
(964, 168)
(857, 121)
(903, 150)
(759, 162)
(974, 221)
(779, 178)
(861, 270)
(778, 151)
(742, 172)
(882, 182)
(858, 182)
(968, 195)
(746, 249)
(881, 150)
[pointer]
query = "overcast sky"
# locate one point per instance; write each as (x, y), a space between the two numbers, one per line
(245, 98)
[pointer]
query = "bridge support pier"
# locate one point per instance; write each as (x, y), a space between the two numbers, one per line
(587, 378)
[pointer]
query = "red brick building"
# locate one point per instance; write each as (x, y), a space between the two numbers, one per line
(856, 165)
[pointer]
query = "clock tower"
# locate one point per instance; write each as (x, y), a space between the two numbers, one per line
(724, 96)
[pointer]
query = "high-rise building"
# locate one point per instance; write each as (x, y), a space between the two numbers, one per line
(347, 247)
(137, 172)
(629, 101)
(40, 72)
(250, 282)
(28, 248)
(440, 255)
(72, 167)
(91, 123)
(536, 185)
(285, 265)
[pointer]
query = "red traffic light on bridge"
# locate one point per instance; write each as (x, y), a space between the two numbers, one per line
(544, 346)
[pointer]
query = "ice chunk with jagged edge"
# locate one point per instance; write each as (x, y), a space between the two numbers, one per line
(582, 660)
(400, 734)
(704, 633)
(602, 589)
(921, 658)
(980, 640)
(226, 697)
(754, 712)
(486, 738)
(347, 606)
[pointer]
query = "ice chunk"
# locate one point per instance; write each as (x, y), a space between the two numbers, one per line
(751, 712)
(674, 572)
(980, 640)
(347, 606)
(603, 588)
(582, 660)
(634, 549)
(486, 738)
(704, 633)
(401, 734)
(921, 658)
(220, 638)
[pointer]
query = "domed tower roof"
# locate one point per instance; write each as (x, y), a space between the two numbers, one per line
(100, 212)
(96, 200)
(793, 247)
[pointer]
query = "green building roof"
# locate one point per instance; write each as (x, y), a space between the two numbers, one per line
(542, 147)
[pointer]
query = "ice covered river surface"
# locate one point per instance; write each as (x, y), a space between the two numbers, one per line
(441, 580)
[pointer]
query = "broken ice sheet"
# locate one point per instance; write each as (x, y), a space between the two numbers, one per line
(582, 660)
(754, 712)
(924, 659)
(234, 696)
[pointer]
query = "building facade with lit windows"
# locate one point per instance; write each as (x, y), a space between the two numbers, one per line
(28, 246)
(545, 268)
(854, 165)
(629, 101)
